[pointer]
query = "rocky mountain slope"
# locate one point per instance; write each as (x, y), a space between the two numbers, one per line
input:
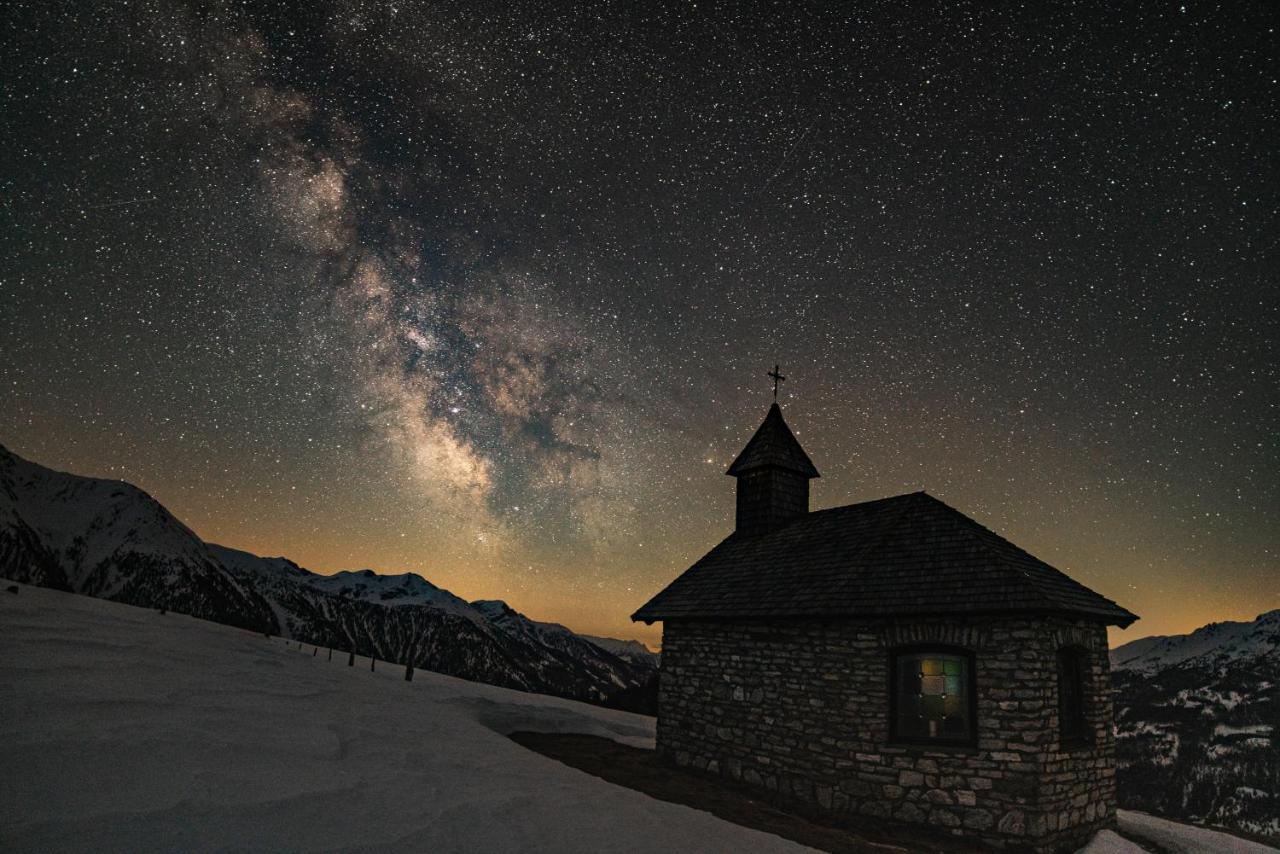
(111, 540)
(632, 650)
(1195, 725)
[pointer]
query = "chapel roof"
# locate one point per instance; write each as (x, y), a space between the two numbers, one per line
(910, 555)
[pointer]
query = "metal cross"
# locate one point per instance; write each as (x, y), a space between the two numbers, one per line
(777, 378)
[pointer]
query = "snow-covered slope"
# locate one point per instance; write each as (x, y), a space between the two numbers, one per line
(139, 732)
(1169, 837)
(136, 732)
(1212, 646)
(1196, 716)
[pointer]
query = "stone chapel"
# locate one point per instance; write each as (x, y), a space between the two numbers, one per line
(893, 660)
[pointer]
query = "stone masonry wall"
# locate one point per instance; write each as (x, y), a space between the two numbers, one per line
(801, 709)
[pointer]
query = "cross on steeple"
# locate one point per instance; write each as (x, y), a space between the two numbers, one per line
(777, 378)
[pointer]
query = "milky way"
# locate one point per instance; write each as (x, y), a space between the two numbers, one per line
(489, 291)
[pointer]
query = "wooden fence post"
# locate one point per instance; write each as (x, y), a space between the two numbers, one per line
(408, 672)
(352, 660)
(331, 653)
(373, 661)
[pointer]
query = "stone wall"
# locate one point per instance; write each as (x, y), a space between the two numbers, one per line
(801, 709)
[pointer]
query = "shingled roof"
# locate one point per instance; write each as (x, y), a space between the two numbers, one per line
(773, 445)
(910, 555)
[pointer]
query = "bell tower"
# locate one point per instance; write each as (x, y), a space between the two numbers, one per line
(773, 474)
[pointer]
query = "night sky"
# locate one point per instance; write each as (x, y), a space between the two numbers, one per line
(488, 291)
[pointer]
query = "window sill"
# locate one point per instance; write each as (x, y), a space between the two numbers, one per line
(1075, 746)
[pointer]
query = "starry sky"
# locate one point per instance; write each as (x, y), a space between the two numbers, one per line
(488, 291)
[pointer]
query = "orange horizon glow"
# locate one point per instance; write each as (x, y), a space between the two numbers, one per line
(1183, 600)
(318, 514)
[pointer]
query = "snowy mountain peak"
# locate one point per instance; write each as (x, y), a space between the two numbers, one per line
(110, 539)
(1213, 645)
(89, 519)
(406, 588)
(494, 608)
(500, 613)
(237, 559)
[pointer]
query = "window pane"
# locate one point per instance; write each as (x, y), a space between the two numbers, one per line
(1071, 698)
(932, 700)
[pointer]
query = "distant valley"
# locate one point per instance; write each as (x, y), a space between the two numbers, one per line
(1196, 716)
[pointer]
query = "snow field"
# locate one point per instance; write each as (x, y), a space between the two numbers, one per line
(125, 730)
(128, 731)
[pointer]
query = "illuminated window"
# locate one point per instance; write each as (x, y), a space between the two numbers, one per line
(932, 697)
(1072, 666)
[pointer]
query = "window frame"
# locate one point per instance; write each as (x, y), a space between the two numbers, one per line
(971, 686)
(1081, 664)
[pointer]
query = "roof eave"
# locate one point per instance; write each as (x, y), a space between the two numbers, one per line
(811, 472)
(649, 617)
(1125, 622)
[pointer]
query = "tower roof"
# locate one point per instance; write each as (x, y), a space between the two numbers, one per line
(773, 446)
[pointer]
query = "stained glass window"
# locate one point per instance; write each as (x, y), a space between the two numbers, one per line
(932, 695)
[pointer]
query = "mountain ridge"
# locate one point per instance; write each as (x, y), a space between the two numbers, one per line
(1195, 719)
(112, 540)
(1223, 641)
